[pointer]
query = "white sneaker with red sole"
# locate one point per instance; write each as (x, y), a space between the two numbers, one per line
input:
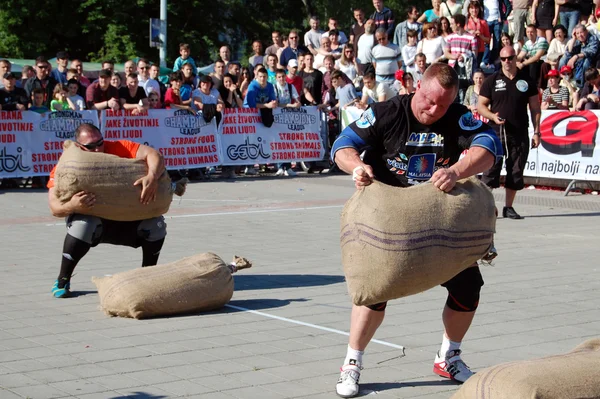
(452, 367)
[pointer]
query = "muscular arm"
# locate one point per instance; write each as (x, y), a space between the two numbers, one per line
(477, 160)
(483, 109)
(156, 167)
(80, 202)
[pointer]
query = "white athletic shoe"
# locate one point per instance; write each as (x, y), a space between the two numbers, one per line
(250, 171)
(347, 385)
(452, 367)
(289, 173)
(280, 172)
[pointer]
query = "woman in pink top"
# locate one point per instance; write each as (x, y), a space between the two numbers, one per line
(478, 27)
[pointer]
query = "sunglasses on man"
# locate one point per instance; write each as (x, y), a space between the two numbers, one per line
(92, 146)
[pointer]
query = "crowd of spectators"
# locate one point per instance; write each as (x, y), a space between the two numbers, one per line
(376, 58)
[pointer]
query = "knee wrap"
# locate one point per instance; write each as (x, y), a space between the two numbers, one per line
(464, 289)
(378, 307)
(85, 228)
(154, 229)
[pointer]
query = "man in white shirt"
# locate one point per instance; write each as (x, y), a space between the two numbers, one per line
(373, 91)
(365, 44)
(387, 58)
(149, 85)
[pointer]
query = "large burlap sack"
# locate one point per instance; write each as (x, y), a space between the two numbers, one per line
(401, 241)
(573, 375)
(111, 179)
(201, 282)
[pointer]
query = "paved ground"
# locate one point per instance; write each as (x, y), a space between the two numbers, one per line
(540, 299)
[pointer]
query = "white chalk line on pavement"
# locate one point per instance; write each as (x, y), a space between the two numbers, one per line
(333, 330)
(208, 214)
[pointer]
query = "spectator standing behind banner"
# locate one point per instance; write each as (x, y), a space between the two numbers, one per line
(12, 98)
(409, 51)
(332, 25)
(277, 43)
(292, 76)
(312, 38)
(37, 101)
(383, 18)
(101, 94)
(291, 52)
(128, 68)
(530, 57)
(287, 97)
(41, 80)
(313, 82)
(5, 67)
(143, 70)
(184, 58)
(115, 81)
(133, 97)
(432, 45)
(154, 72)
(383, 132)
(569, 82)
(432, 14)
(507, 93)
(173, 96)
(478, 27)
(257, 58)
(60, 72)
(365, 45)
(401, 32)
(386, 58)
(358, 27)
(78, 65)
(86, 231)
(590, 93)
(472, 95)
(421, 67)
(347, 63)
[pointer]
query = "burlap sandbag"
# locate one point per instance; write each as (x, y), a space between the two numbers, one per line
(573, 375)
(111, 179)
(201, 282)
(401, 241)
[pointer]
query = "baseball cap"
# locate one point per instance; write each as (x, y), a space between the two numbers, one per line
(552, 72)
(9, 75)
(62, 55)
(399, 74)
(566, 69)
(293, 64)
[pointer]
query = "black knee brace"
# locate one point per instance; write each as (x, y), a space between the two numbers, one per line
(378, 307)
(463, 290)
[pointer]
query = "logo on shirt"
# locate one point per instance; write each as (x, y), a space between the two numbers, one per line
(421, 166)
(468, 122)
(397, 166)
(425, 140)
(366, 119)
(522, 86)
(500, 85)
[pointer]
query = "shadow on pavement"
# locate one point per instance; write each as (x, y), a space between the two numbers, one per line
(258, 304)
(563, 215)
(139, 395)
(367, 389)
(270, 281)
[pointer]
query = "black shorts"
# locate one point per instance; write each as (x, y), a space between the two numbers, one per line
(516, 159)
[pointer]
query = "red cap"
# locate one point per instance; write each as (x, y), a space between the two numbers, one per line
(566, 69)
(597, 12)
(399, 74)
(552, 72)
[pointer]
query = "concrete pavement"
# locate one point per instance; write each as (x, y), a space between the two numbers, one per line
(282, 336)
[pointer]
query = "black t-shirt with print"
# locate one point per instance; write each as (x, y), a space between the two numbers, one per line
(313, 82)
(510, 98)
(140, 94)
(404, 152)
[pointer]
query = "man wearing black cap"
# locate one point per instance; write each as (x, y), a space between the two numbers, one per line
(60, 73)
(12, 98)
(101, 94)
(41, 80)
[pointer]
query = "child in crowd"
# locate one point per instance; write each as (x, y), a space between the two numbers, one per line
(76, 99)
(184, 51)
(409, 52)
(37, 101)
(60, 101)
(154, 100)
(173, 96)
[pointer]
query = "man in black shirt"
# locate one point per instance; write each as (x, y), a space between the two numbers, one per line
(12, 98)
(41, 80)
(503, 99)
(412, 139)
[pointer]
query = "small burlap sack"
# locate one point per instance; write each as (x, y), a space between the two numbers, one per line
(111, 180)
(201, 282)
(401, 241)
(573, 375)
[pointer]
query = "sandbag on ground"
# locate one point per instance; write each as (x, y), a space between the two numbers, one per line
(401, 241)
(573, 375)
(197, 283)
(111, 179)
